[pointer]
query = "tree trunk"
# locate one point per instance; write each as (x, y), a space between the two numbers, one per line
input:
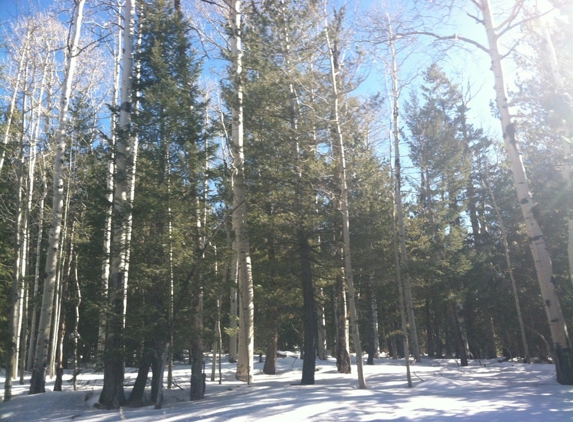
(43, 340)
(403, 256)
(461, 336)
(113, 395)
(270, 367)
(107, 234)
(334, 71)
(374, 343)
(233, 310)
(138, 391)
(35, 298)
(239, 220)
(340, 316)
(562, 354)
(321, 330)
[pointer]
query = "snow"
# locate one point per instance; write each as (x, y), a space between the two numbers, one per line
(443, 391)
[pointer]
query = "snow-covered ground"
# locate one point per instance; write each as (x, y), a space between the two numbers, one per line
(443, 391)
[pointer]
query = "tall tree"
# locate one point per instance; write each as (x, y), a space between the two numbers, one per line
(113, 395)
(334, 54)
(37, 384)
(239, 218)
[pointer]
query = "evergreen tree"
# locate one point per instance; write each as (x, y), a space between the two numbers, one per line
(169, 124)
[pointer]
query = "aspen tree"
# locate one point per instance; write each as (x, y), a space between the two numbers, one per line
(37, 384)
(113, 395)
(562, 349)
(239, 218)
(107, 234)
(334, 74)
(562, 353)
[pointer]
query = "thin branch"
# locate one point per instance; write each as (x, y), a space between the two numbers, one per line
(521, 22)
(514, 12)
(454, 37)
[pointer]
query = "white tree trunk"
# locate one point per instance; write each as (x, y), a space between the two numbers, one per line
(44, 326)
(345, 216)
(106, 263)
(239, 220)
(113, 395)
(562, 348)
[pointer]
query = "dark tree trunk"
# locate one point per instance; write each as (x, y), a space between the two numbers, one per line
(374, 340)
(138, 391)
(309, 313)
(392, 347)
(342, 356)
(491, 348)
(460, 347)
(431, 346)
(270, 367)
(60, 354)
(112, 395)
(197, 376)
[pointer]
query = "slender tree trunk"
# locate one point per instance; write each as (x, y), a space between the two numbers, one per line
(233, 308)
(197, 361)
(76, 334)
(374, 341)
(14, 298)
(405, 272)
(321, 329)
(341, 318)
(37, 384)
(401, 304)
(107, 234)
(334, 71)
(113, 395)
(35, 298)
(239, 220)
(562, 353)
(60, 286)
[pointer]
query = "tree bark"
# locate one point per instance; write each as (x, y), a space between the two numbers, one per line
(270, 367)
(341, 318)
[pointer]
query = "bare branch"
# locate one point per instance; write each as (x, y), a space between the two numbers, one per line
(521, 22)
(514, 12)
(454, 37)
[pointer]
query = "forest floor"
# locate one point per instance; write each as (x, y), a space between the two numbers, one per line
(443, 391)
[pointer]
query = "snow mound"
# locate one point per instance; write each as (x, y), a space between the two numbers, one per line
(437, 384)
